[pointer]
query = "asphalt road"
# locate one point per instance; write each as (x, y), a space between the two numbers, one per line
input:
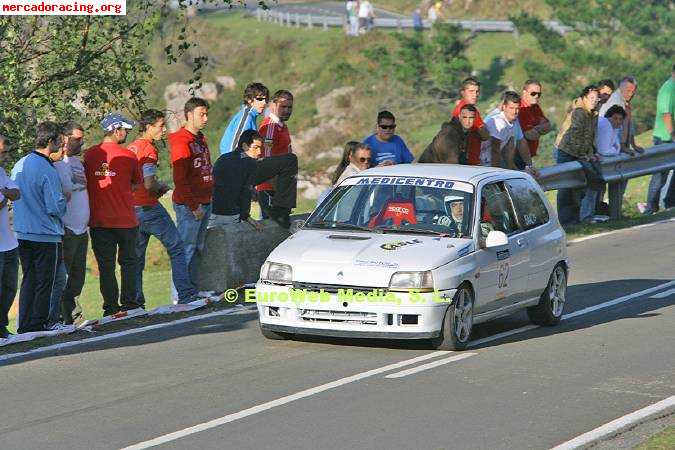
(531, 390)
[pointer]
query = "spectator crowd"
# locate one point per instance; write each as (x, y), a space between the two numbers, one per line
(63, 196)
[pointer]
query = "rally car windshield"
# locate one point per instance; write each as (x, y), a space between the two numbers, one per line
(425, 208)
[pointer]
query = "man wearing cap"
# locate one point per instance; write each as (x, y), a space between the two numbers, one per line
(112, 171)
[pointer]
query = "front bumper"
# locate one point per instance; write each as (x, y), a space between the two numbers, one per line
(350, 333)
(414, 317)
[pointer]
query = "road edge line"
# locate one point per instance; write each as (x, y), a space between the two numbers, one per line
(618, 230)
(617, 425)
(131, 331)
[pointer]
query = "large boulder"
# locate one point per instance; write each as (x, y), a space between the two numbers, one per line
(175, 96)
(233, 255)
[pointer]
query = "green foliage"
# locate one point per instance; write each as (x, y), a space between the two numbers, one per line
(613, 38)
(432, 63)
(79, 67)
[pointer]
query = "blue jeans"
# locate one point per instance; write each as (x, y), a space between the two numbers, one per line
(55, 300)
(192, 232)
(568, 200)
(656, 184)
(9, 279)
(155, 221)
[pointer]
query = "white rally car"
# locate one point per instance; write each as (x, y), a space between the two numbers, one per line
(418, 251)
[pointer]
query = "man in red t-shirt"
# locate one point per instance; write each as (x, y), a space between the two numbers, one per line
(277, 138)
(531, 118)
(469, 94)
(112, 172)
(193, 178)
(152, 217)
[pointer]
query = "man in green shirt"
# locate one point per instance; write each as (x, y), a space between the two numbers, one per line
(664, 132)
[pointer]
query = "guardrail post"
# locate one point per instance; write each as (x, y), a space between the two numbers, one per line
(309, 21)
(615, 199)
(297, 21)
(258, 14)
(398, 24)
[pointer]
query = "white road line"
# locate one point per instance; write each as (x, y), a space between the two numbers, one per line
(617, 425)
(430, 365)
(105, 337)
(278, 402)
(664, 294)
(616, 301)
(571, 315)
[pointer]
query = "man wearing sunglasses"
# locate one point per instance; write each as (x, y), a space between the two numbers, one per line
(387, 147)
(256, 96)
(531, 118)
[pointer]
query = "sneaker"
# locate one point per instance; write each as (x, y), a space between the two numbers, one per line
(642, 208)
(4, 333)
(57, 326)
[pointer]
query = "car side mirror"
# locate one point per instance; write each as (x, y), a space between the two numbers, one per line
(496, 239)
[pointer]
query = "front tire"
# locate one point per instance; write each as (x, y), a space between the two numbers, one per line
(549, 310)
(457, 322)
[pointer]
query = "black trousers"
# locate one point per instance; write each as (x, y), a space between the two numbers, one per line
(39, 261)
(106, 242)
(285, 168)
(75, 259)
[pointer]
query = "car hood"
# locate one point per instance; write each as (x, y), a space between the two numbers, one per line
(363, 259)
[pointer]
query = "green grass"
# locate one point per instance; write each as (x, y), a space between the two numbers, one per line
(665, 440)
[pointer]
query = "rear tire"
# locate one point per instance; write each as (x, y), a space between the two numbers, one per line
(273, 335)
(549, 310)
(457, 322)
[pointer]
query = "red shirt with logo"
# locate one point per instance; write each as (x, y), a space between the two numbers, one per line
(529, 117)
(277, 142)
(192, 169)
(473, 140)
(111, 170)
(147, 156)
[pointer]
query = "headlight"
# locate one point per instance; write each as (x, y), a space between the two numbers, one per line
(276, 272)
(412, 280)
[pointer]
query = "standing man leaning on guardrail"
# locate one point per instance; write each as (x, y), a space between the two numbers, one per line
(664, 132)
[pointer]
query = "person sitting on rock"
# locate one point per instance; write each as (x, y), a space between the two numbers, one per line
(236, 173)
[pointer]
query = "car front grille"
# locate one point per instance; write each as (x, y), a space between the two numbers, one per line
(349, 317)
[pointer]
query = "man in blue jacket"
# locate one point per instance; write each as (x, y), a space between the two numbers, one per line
(38, 225)
(256, 96)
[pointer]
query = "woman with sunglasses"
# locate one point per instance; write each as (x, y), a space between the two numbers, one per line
(356, 158)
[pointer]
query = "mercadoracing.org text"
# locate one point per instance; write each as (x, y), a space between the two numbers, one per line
(63, 7)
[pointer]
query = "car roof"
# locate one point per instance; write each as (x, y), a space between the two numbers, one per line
(455, 172)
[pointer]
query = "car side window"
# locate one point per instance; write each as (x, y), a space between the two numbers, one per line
(529, 205)
(496, 212)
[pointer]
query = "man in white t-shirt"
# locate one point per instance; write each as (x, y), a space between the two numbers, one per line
(76, 224)
(502, 127)
(366, 15)
(9, 255)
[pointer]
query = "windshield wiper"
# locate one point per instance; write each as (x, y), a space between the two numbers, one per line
(337, 226)
(413, 231)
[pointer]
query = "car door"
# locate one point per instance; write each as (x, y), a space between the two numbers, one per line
(502, 271)
(544, 238)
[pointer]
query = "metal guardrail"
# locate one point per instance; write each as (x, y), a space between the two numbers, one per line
(614, 170)
(310, 21)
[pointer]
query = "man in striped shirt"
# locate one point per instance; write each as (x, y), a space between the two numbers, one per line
(277, 141)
